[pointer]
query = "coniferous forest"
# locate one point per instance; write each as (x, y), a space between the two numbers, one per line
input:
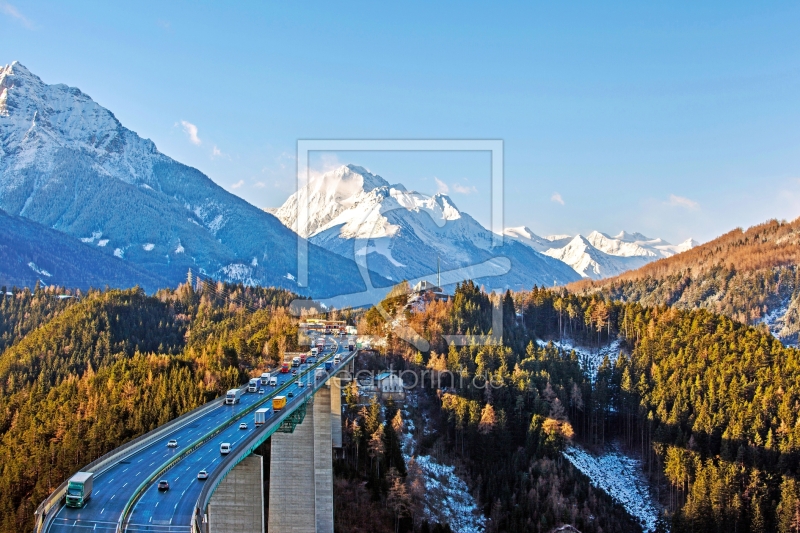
(709, 404)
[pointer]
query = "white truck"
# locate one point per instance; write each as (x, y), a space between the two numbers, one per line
(265, 378)
(79, 489)
(314, 351)
(351, 343)
(273, 381)
(233, 396)
(253, 385)
(261, 416)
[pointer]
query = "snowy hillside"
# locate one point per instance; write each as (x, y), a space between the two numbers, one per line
(600, 255)
(67, 163)
(406, 234)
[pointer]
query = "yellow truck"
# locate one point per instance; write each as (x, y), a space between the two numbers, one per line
(278, 403)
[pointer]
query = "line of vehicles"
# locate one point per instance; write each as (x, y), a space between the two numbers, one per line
(79, 488)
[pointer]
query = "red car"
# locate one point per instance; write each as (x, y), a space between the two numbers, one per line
(285, 368)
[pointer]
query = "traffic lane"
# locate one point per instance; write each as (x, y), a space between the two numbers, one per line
(185, 508)
(182, 503)
(114, 487)
(159, 509)
(155, 508)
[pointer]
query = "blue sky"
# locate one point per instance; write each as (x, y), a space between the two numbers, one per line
(676, 120)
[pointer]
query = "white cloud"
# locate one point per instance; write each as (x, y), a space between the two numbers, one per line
(464, 189)
(260, 184)
(681, 201)
(14, 13)
(237, 184)
(557, 198)
(441, 187)
(191, 131)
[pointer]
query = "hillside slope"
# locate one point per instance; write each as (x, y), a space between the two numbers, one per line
(30, 252)
(749, 275)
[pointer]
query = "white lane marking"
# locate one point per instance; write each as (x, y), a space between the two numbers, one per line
(125, 485)
(103, 509)
(112, 497)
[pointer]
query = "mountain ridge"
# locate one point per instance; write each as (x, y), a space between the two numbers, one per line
(407, 234)
(67, 163)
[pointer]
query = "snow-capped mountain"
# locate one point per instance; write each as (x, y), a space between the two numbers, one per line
(599, 255)
(406, 234)
(67, 163)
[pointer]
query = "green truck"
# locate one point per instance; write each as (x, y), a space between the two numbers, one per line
(79, 489)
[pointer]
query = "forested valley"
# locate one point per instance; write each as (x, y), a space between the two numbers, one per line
(708, 403)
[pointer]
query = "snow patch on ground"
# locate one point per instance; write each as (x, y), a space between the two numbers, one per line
(590, 359)
(447, 496)
(102, 242)
(40, 271)
(620, 477)
(95, 235)
(148, 247)
(179, 249)
(774, 320)
(119, 252)
(448, 499)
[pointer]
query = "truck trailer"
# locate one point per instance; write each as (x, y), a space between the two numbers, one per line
(253, 385)
(261, 416)
(79, 489)
(265, 378)
(278, 403)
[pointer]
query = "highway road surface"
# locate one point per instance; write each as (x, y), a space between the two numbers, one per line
(171, 510)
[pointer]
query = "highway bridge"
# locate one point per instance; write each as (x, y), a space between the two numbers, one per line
(125, 495)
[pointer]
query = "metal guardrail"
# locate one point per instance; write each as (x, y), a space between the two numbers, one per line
(247, 447)
(98, 466)
(121, 523)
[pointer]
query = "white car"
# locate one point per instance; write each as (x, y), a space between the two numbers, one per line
(172, 444)
(243, 425)
(225, 448)
(202, 474)
(300, 384)
(261, 391)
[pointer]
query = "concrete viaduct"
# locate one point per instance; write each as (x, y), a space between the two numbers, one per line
(301, 438)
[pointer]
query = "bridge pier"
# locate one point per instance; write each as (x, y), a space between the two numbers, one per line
(301, 473)
(335, 384)
(238, 503)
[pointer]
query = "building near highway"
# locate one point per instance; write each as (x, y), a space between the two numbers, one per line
(390, 386)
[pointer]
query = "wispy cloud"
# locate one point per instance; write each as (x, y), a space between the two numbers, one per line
(191, 130)
(216, 152)
(682, 201)
(164, 24)
(441, 187)
(15, 14)
(260, 184)
(557, 198)
(237, 184)
(464, 189)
